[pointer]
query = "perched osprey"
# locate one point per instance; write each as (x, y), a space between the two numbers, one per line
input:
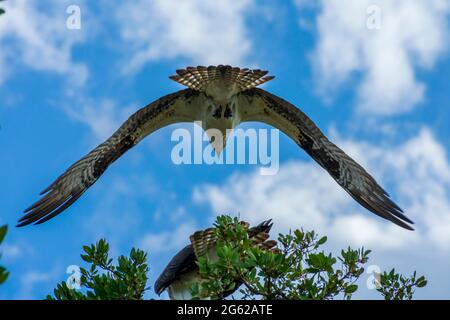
(221, 97)
(182, 271)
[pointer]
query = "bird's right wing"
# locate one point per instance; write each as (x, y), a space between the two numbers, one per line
(260, 105)
(181, 106)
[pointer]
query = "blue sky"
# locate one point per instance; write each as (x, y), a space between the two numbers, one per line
(378, 88)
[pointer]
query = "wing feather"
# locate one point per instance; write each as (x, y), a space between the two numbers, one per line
(260, 105)
(67, 188)
(180, 264)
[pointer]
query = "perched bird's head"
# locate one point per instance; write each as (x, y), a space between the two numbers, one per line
(221, 85)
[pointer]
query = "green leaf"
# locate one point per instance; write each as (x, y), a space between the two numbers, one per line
(351, 289)
(3, 275)
(3, 230)
(322, 241)
(421, 282)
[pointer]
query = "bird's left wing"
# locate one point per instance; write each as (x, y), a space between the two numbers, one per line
(181, 106)
(259, 105)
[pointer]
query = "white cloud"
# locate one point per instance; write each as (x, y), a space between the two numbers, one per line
(167, 241)
(116, 208)
(30, 280)
(412, 35)
(10, 252)
(303, 195)
(112, 217)
(205, 32)
(103, 117)
(39, 39)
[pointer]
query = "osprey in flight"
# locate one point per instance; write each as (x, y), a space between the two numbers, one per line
(221, 97)
(182, 271)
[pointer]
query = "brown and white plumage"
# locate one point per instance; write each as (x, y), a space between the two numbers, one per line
(182, 271)
(200, 78)
(221, 97)
(265, 107)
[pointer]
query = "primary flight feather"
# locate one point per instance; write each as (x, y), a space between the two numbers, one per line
(221, 97)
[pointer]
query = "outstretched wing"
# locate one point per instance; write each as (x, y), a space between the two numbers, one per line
(180, 106)
(260, 105)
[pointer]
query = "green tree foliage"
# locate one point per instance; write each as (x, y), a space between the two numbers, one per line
(3, 273)
(394, 286)
(103, 280)
(299, 269)
(2, 11)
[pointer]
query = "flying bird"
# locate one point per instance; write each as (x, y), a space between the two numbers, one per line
(182, 271)
(221, 97)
